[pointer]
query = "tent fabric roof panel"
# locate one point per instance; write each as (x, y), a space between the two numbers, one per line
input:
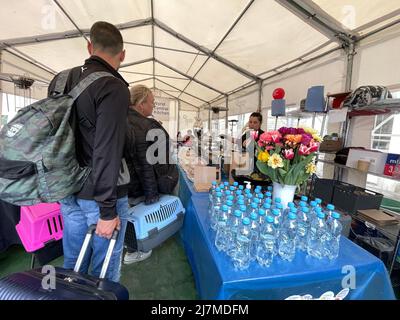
(146, 67)
(356, 13)
(205, 22)
(51, 55)
(184, 62)
(281, 39)
(24, 18)
(164, 39)
(201, 91)
(220, 76)
(86, 12)
(140, 35)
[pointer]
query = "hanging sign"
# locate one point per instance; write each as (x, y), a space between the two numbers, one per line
(161, 108)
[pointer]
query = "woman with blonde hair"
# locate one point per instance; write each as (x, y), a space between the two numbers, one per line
(147, 179)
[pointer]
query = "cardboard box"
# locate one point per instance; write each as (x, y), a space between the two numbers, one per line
(204, 176)
(392, 166)
(377, 159)
(379, 217)
(331, 145)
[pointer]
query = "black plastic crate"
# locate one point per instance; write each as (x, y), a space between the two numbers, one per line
(323, 189)
(350, 198)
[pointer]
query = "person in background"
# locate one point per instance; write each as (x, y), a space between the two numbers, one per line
(100, 113)
(147, 179)
(188, 139)
(253, 128)
(179, 139)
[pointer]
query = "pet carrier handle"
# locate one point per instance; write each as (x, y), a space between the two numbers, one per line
(85, 246)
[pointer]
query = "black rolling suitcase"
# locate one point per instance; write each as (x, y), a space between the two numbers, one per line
(67, 285)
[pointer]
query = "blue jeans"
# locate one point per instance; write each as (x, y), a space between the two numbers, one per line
(78, 215)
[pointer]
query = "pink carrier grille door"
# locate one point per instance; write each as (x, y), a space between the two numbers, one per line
(40, 224)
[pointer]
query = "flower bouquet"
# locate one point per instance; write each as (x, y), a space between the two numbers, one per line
(287, 156)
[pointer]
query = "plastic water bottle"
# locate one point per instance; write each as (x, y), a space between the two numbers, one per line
(212, 190)
(238, 204)
(236, 184)
(276, 201)
(243, 210)
(241, 256)
(249, 199)
(238, 193)
(268, 194)
(226, 194)
(330, 208)
(234, 222)
(232, 189)
(303, 225)
(257, 202)
(267, 207)
(335, 230)
(269, 201)
(286, 211)
(217, 207)
(269, 188)
(261, 217)
(255, 230)
(287, 238)
(316, 239)
(222, 230)
(241, 188)
(229, 203)
(226, 185)
(304, 198)
(252, 209)
(277, 218)
(266, 245)
(318, 201)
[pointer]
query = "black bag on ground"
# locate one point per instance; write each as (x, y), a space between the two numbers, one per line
(366, 95)
(67, 285)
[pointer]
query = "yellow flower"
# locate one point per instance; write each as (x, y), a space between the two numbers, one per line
(314, 133)
(263, 156)
(311, 168)
(275, 161)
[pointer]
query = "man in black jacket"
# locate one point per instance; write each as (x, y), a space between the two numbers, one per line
(100, 116)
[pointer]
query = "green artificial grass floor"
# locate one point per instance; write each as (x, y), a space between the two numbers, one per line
(166, 275)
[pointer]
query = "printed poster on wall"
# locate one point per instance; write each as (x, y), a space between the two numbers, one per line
(161, 108)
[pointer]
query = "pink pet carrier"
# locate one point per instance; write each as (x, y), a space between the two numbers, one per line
(40, 224)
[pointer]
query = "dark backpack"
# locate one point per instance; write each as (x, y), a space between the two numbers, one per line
(37, 149)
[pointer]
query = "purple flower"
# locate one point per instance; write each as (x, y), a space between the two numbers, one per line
(306, 138)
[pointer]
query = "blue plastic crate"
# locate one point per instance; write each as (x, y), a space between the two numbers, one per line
(157, 222)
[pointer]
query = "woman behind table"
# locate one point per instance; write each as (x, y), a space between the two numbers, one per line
(146, 179)
(253, 129)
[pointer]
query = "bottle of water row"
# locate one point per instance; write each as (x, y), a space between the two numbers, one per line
(303, 226)
(215, 211)
(221, 237)
(334, 230)
(317, 237)
(241, 257)
(234, 223)
(287, 238)
(266, 245)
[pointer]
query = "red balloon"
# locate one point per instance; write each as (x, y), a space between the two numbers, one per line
(278, 93)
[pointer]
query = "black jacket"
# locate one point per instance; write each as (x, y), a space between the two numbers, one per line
(100, 113)
(148, 179)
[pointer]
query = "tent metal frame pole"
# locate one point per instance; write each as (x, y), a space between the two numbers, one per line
(190, 78)
(149, 74)
(389, 25)
(14, 42)
(202, 49)
(260, 95)
(377, 21)
(70, 19)
(164, 48)
(178, 115)
(226, 113)
(191, 95)
(135, 63)
(209, 119)
(152, 42)
(145, 79)
(319, 20)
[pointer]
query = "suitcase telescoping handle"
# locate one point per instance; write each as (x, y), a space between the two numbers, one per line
(85, 246)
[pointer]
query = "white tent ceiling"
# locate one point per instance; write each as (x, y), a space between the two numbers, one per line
(194, 50)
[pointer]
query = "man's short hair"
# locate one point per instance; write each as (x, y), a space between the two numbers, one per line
(106, 37)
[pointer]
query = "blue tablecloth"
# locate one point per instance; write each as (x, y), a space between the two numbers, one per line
(216, 278)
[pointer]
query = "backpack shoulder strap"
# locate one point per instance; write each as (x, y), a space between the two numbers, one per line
(83, 84)
(61, 81)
